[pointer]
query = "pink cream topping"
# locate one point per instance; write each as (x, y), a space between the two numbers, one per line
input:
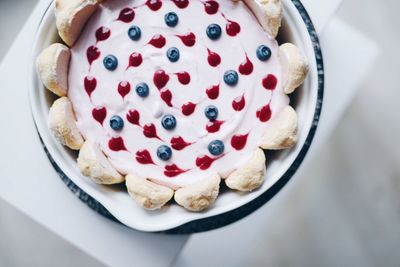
(183, 88)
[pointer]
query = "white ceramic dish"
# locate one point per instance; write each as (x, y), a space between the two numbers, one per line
(230, 206)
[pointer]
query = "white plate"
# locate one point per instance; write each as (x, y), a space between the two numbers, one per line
(230, 206)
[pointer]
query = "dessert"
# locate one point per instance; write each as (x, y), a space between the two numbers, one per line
(172, 97)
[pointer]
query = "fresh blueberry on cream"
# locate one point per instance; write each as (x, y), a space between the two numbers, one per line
(216, 147)
(168, 122)
(134, 33)
(211, 112)
(110, 62)
(171, 19)
(173, 54)
(116, 123)
(231, 77)
(142, 89)
(213, 31)
(164, 152)
(263, 52)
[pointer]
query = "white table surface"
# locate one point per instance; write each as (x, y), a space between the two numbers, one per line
(34, 188)
(238, 240)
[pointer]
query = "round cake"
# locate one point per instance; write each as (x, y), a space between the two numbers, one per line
(172, 96)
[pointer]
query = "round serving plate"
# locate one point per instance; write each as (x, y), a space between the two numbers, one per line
(114, 203)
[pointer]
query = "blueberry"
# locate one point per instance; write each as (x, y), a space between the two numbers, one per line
(168, 122)
(110, 62)
(263, 52)
(211, 112)
(173, 54)
(164, 152)
(142, 89)
(213, 31)
(216, 147)
(134, 33)
(171, 19)
(231, 77)
(116, 123)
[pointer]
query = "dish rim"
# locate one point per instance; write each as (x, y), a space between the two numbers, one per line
(222, 219)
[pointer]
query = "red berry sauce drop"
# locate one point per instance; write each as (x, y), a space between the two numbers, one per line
(213, 58)
(181, 3)
(166, 96)
(214, 126)
(178, 143)
(90, 84)
(232, 28)
(160, 79)
(239, 103)
(99, 114)
(211, 7)
(173, 170)
(126, 15)
(246, 68)
(92, 53)
(183, 77)
(188, 108)
(135, 60)
(204, 162)
(264, 113)
(239, 141)
(133, 116)
(270, 82)
(117, 144)
(144, 157)
(213, 91)
(158, 41)
(154, 4)
(188, 39)
(102, 34)
(149, 130)
(124, 88)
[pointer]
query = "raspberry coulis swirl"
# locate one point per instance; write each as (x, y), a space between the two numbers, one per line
(186, 71)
